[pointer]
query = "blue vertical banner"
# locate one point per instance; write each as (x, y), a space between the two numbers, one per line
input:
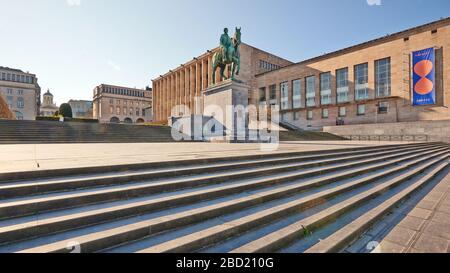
(424, 84)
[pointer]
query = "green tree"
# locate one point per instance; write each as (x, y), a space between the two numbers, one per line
(65, 110)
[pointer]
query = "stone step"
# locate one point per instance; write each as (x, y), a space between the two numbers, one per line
(89, 171)
(108, 238)
(22, 207)
(33, 228)
(281, 238)
(345, 236)
(25, 188)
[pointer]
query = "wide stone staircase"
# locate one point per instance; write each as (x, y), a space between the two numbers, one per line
(30, 132)
(16, 132)
(318, 201)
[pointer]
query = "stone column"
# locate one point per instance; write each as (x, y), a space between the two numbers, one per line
(155, 100)
(173, 94)
(210, 63)
(182, 86)
(198, 87)
(177, 91)
(187, 84)
(192, 89)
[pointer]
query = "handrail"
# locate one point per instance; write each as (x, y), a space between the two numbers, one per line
(406, 138)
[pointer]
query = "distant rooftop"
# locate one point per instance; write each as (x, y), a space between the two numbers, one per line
(118, 86)
(11, 69)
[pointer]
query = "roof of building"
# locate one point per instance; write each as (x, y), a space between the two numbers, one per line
(11, 69)
(391, 37)
(48, 93)
(87, 101)
(117, 86)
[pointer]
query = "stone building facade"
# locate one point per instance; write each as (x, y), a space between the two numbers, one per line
(181, 86)
(21, 92)
(81, 109)
(118, 104)
(368, 83)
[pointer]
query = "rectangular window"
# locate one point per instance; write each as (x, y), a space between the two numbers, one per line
(125, 111)
(138, 112)
(111, 110)
(383, 78)
(131, 111)
(20, 103)
(325, 88)
(296, 115)
(297, 94)
(20, 92)
(273, 94)
(325, 113)
(10, 101)
(3, 76)
(342, 85)
(362, 81)
(284, 87)
(309, 115)
(10, 91)
(342, 111)
(311, 91)
(118, 110)
(262, 95)
(361, 110)
(383, 107)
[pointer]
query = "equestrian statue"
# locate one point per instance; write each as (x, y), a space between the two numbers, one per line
(228, 55)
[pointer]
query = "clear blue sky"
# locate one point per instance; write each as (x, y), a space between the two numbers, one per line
(74, 45)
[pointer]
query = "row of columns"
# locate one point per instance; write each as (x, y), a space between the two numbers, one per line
(181, 88)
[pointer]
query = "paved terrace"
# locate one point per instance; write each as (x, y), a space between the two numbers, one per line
(17, 158)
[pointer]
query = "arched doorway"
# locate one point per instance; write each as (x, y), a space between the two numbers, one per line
(19, 115)
(140, 121)
(128, 121)
(115, 120)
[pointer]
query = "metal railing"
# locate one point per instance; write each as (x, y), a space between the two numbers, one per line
(405, 138)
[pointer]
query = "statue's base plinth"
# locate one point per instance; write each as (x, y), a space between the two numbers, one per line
(226, 103)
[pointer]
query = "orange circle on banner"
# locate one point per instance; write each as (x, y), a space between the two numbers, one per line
(424, 86)
(423, 68)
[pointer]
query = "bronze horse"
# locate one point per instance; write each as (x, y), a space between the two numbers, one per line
(235, 61)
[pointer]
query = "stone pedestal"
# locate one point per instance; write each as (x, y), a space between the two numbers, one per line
(226, 104)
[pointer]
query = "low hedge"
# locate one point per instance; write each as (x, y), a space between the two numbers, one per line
(56, 119)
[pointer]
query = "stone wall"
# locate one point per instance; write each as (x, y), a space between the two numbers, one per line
(436, 131)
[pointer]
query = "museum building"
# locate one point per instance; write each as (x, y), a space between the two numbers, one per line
(401, 77)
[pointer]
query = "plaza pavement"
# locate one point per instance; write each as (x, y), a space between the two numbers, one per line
(18, 158)
(425, 228)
